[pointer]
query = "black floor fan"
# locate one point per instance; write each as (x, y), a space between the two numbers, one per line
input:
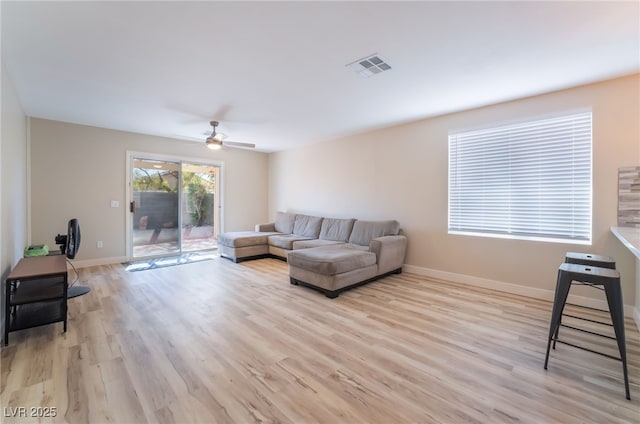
(69, 246)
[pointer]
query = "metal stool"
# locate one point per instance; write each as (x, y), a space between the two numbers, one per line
(592, 276)
(590, 259)
(584, 259)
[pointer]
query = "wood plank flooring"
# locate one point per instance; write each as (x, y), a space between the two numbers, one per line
(219, 342)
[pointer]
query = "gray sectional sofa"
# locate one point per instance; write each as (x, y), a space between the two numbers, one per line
(328, 254)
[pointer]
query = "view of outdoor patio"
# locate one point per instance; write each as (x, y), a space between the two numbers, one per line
(174, 208)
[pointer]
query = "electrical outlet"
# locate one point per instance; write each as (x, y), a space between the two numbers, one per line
(99, 244)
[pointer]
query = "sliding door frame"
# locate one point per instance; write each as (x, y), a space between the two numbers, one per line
(130, 155)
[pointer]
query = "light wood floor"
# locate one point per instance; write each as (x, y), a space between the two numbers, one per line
(218, 342)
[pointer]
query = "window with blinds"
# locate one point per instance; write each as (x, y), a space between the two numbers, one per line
(530, 180)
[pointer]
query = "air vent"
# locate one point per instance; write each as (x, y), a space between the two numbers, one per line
(369, 66)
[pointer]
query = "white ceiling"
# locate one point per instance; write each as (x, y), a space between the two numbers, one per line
(274, 73)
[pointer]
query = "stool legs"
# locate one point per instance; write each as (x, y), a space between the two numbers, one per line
(584, 259)
(562, 291)
(609, 279)
(614, 299)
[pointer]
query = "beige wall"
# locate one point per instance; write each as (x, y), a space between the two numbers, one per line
(13, 184)
(77, 170)
(13, 178)
(401, 173)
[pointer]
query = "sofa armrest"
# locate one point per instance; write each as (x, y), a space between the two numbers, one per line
(270, 227)
(390, 252)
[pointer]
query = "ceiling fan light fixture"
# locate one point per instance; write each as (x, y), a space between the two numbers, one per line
(214, 141)
(213, 144)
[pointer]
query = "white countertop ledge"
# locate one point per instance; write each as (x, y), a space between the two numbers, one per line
(630, 238)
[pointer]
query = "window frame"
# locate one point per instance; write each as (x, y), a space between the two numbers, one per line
(584, 237)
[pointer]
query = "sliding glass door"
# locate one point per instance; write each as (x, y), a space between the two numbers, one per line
(155, 206)
(174, 206)
(199, 207)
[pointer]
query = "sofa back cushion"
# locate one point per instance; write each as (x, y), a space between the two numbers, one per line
(364, 231)
(284, 222)
(307, 226)
(336, 229)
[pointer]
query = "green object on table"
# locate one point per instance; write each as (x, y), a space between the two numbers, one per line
(36, 250)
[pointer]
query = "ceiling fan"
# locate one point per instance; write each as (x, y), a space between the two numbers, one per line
(215, 140)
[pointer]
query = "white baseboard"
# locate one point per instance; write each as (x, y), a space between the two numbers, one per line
(629, 310)
(86, 263)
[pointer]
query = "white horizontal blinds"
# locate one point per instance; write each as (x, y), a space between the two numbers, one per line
(526, 180)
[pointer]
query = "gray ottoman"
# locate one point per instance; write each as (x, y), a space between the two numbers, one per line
(243, 245)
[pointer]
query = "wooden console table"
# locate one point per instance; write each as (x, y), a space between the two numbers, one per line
(36, 294)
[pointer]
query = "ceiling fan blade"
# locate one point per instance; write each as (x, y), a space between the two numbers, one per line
(232, 144)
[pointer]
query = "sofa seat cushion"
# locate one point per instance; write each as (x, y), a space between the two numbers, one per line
(285, 241)
(243, 238)
(331, 260)
(306, 244)
(354, 246)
